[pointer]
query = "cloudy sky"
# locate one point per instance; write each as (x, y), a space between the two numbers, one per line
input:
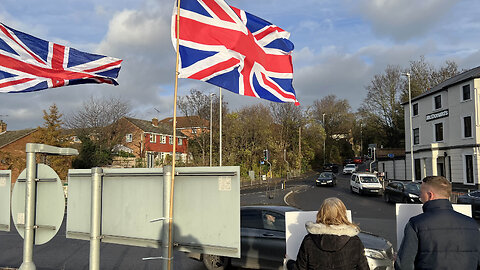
(339, 46)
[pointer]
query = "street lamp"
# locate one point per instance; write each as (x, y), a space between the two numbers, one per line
(211, 116)
(411, 127)
(324, 139)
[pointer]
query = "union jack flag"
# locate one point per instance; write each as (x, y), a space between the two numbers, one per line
(235, 50)
(30, 64)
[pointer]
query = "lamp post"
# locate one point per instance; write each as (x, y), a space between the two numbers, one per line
(324, 139)
(211, 118)
(411, 127)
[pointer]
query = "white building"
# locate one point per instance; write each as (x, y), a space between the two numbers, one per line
(446, 132)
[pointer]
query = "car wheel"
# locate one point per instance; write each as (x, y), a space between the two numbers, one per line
(386, 198)
(214, 262)
(351, 189)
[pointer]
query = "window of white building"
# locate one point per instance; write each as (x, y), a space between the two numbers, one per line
(438, 132)
(437, 102)
(469, 169)
(416, 136)
(467, 127)
(466, 92)
(415, 109)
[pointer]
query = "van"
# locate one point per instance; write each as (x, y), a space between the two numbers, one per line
(365, 183)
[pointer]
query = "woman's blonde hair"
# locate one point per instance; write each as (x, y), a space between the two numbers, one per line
(333, 212)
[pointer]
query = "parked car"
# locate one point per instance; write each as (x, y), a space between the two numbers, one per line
(365, 183)
(472, 198)
(403, 192)
(330, 167)
(349, 169)
(263, 244)
(357, 160)
(326, 178)
(347, 161)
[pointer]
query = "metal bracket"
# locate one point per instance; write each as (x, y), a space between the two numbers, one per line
(160, 219)
(156, 258)
(37, 227)
(39, 180)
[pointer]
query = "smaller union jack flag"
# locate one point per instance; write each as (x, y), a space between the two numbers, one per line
(235, 50)
(30, 64)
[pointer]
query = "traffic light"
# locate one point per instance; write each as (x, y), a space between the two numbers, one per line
(369, 153)
(265, 154)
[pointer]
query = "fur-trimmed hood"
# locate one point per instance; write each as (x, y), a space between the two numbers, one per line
(319, 228)
(330, 238)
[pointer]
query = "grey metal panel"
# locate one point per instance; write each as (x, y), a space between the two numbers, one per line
(207, 210)
(130, 203)
(5, 186)
(79, 204)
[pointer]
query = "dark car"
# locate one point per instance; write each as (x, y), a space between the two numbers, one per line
(326, 179)
(347, 161)
(330, 167)
(403, 192)
(263, 242)
(472, 198)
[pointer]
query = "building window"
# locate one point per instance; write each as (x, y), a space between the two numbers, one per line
(469, 169)
(128, 137)
(170, 139)
(416, 136)
(153, 138)
(418, 171)
(467, 127)
(439, 132)
(415, 109)
(466, 92)
(164, 139)
(438, 102)
(180, 141)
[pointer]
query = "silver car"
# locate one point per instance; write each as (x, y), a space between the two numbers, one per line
(263, 242)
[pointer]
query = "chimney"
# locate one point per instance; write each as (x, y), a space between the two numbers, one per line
(3, 127)
(155, 122)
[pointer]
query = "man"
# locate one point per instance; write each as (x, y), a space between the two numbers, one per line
(440, 238)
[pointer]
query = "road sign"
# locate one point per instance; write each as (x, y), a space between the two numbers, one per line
(5, 185)
(391, 155)
(49, 205)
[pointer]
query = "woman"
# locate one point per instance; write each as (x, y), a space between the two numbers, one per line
(331, 242)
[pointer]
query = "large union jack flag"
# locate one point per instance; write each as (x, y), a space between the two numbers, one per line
(235, 50)
(30, 64)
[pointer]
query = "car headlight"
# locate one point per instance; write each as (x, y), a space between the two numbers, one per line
(374, 254)
(412, 196)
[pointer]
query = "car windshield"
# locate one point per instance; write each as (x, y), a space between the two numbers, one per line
(350, 166)
(325, 174)
(413, 187)
(368, 179)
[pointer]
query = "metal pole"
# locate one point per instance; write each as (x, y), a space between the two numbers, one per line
(211, 135)
(220, 126)
(167, 184)
(29, 238)
(324, 139)
(95, 218)
(411, 127)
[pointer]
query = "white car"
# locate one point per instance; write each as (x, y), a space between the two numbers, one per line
(365, 183)
(349, 169)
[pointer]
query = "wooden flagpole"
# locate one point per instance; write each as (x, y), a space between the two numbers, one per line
(170, 223)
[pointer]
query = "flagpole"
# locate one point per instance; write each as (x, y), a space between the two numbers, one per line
(170, 223)
(220, 146)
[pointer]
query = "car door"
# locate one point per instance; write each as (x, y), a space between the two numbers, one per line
(262, 242)
(398, 192)
(475, 203)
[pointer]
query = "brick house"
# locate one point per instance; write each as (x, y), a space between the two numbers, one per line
(191, 126)
(151, 140)
(12, 148)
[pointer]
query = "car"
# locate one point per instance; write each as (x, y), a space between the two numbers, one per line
(347, 161)
(349, 169)
(263, 244)
(403, 192)
(330, 167)
(365, 183)
(357, 160)
(472, 198)
(326, 178)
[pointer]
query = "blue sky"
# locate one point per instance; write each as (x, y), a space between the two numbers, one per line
(339, 46)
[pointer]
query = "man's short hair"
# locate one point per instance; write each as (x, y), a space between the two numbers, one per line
(441, 186)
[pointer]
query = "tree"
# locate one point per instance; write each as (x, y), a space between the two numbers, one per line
(51, 133)
(96, 123)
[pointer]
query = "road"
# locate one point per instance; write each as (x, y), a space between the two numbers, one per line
(371, 213)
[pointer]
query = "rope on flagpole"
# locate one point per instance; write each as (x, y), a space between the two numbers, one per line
(170, 222)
